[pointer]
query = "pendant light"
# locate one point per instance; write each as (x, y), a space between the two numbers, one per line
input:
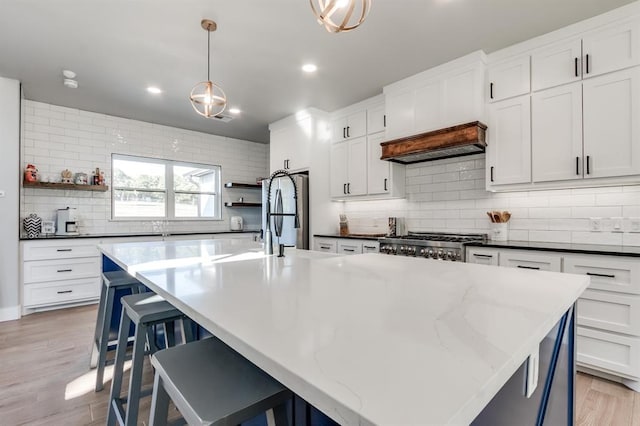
(207, 98)
(338, 15)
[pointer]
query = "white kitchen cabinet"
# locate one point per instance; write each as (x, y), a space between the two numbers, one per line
(482, 256)
(612, 48)
(376, 119)
(400, 112)
(352, 126)
(349, 246)
(557, 133)
(610, 311)
(611, 126)
(290, 145)
(614, 353)
(462, 97)
(327, 245)
(428, 107)
(509, 144)
(383, 177)
(608, 273)
(348, 169)
(370, 246)
(530, 260)
(508, 79)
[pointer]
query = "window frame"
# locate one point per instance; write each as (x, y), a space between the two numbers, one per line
(169, 190)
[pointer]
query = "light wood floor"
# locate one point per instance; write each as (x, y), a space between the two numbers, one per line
(45, 377)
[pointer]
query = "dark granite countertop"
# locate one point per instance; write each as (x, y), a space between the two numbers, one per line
(142, 234)
(351, 236)
(564, 247)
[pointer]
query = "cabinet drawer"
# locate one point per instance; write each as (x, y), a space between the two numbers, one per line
(370, 247)
(54, 293)
(326, 245)
(610, 311)
(482, 256)
(348, 247)
(610, 273)
(58, 251)
(527, 260)
(57, 270)
(611, 352)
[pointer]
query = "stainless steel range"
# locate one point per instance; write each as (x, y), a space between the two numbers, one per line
(434, 245)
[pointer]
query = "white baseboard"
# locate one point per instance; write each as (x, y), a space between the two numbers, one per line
(10, 314)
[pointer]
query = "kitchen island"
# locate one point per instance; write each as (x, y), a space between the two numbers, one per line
(377, 339)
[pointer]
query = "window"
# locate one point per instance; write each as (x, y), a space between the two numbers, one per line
(163, 189)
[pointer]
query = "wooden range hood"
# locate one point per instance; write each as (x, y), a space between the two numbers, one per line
(456, 141)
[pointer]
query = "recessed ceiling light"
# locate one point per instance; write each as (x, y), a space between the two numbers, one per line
(309, 68)
(154, 90)
(234, 110)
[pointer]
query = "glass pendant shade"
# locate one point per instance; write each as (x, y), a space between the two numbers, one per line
(340, 15)
(207, 98)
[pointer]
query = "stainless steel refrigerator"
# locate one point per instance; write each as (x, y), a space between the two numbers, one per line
(282, 201)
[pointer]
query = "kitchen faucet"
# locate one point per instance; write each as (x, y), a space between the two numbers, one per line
(268, 242)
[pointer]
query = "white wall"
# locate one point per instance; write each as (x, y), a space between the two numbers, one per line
(9, 183)
(449, 196)
(56, 138)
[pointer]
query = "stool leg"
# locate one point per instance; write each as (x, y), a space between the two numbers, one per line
(98, 330)
(135, 383)
(169, 334)
(187, 330)
(104, 339)
(118, 368)
(159, 403)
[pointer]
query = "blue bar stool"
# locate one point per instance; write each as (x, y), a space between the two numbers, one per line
(145, 311)
(211, 384)
(112, 282)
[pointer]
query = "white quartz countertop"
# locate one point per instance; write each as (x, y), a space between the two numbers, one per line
(367, 339)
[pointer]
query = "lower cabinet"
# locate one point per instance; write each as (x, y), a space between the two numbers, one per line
(327, 245)
(345, 245)
(608, 312)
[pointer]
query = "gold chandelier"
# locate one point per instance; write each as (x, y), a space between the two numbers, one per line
(340, 15)
(207, 98)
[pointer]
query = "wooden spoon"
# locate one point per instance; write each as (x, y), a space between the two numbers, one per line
(490, 216)
(506, 216)
(496, 217)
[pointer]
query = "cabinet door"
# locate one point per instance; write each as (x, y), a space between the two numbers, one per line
(508, 79)
(291, 145)
(375, 119)
(277, 150)
(338, 173)
(327, 245)
(428, 107)
(357, 124)
(615, 312)
(556, 138)
(339, 129)
(349, 247)
(612, 49)
(462, 98)
(370, 247)
(607, 273)
(612, 352)
(533, 261)
(399, 108)
(378, 170)
(611, 124)
(482, 256)
(509, 146)
(357, 167)
(556, 65)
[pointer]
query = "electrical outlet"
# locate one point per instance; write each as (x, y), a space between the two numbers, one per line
(634, 224)
(595, 224)
(617, 224)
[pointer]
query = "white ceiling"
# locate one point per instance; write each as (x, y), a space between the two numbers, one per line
(119, 47)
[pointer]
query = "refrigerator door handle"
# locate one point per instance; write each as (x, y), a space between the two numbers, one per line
(278, 220)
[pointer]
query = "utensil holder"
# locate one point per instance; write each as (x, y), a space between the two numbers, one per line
(500, 231)
(344, 229)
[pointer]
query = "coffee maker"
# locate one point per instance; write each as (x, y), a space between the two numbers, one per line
(67, 222)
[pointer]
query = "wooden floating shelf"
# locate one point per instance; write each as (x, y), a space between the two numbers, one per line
(238, 204)
(71, 186)
(243, 185)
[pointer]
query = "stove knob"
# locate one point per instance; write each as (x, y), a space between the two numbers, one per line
(450, 256)
(431, 253)
(423, 252)
(392, 250)
(440, 254)
(402, 249)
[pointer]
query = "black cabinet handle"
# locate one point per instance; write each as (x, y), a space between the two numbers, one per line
(588, 165)
(491, 172)
(577, 165)
(537, 268)
(384, 120)
(587, 63)
(486, 256)
(385, 184)
(348, 188)
(344, 188)
(344, 133)
(370, 247)
(346, 249)
(575, 65)
(593, 274)
(65, 270)
(64, 249)
(348, 128)
(325, 247)
(65, 291)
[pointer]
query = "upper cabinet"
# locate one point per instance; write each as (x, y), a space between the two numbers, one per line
(351, 126)
(610, 49)
(384, 177)
(348, 173)
(441, 97)
(508, 79)
(376, 119)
